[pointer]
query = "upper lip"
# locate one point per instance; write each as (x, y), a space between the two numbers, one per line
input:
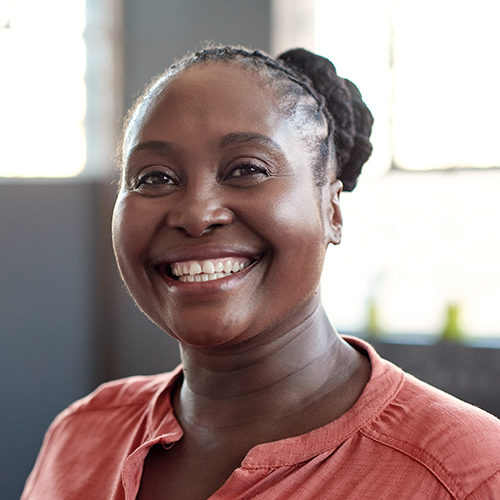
(200, 253)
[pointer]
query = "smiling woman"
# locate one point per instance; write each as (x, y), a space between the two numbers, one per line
(232, 168)
(245, 193)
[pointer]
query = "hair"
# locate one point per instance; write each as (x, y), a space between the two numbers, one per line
(333, 115)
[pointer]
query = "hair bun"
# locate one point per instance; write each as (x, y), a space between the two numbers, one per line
(352, 120)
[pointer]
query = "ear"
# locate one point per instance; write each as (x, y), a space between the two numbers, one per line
(333, 215)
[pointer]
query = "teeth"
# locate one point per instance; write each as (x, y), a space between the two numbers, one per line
(194, 268)
(203, 277)
(208, 267)
(208, 270)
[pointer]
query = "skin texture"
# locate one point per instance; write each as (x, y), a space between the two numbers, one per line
(214, 168)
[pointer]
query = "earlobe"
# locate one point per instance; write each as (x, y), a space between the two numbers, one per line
(334, 219)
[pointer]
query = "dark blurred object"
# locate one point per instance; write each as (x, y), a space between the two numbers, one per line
(471, 374)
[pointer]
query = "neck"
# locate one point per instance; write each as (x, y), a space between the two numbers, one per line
(269, 382)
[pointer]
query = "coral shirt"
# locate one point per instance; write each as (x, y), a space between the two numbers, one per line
(401, 440)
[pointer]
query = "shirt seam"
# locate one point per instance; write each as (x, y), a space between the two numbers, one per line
(110, 407)
(436, 469)
(330, 449)
(473, 492)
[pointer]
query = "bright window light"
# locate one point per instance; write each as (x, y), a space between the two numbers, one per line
(355, 35)
(438, 105)
(446, 86)
(42, 88)
(420, 243)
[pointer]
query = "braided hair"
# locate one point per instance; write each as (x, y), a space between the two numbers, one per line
(307, 82)
(352, 120)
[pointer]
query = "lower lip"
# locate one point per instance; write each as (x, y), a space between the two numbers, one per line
(207, 287)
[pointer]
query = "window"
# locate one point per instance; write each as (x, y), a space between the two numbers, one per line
(42, 89)
(421, 232)
(59, 91)
(429, 67)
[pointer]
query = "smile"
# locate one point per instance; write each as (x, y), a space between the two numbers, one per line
(208, 270)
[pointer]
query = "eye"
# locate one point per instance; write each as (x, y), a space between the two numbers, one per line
(154, 179)
(248, 171)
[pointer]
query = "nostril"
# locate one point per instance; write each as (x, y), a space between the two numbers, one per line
(215, 226)
(197, 232)
(196, 221)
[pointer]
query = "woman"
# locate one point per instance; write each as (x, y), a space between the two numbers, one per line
(232, 167)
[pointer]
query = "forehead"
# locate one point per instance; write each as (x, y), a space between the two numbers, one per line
(216, 96)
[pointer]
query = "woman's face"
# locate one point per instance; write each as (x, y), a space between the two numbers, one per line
(219, 230)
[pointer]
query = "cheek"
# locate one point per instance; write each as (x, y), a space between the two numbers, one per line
(131, 231)
(297, 214)
(294, 229)
(121, 230)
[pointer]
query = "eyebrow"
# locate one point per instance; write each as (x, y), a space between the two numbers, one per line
(158, 146)
(228, 140)
(249, 137)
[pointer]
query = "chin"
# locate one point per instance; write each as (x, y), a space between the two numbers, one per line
(205, 333)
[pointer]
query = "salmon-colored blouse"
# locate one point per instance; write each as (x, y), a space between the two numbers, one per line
(402, 440)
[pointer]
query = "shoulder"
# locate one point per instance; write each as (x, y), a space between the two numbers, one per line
(457, 442)
(97, 433)
(121, 393)
(439, 419)
(425, 429)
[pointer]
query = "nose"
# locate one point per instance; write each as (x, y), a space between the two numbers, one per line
(198, 213)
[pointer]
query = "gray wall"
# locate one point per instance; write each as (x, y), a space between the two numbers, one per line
(66, 323)
(46, 315)
(157, 32)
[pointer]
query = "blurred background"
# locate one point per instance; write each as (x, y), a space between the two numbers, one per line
(417, 273)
